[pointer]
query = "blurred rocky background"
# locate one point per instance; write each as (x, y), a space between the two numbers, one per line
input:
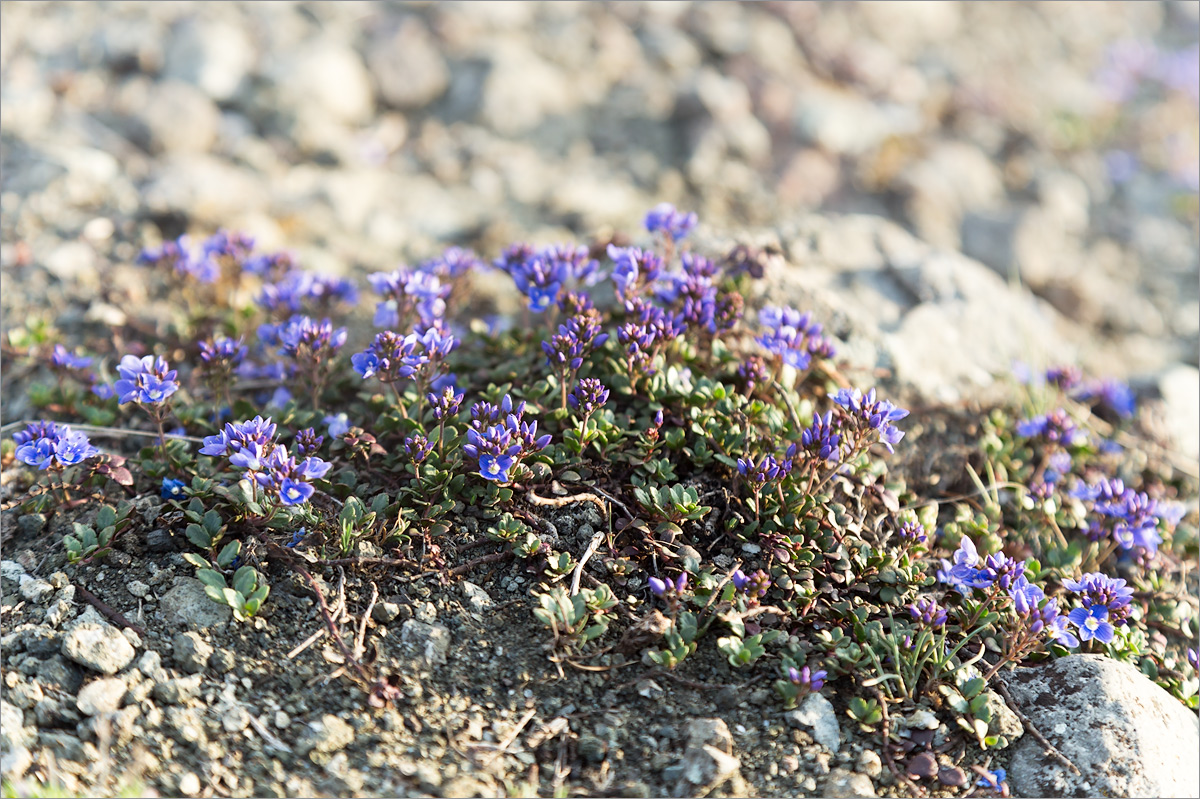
(1054, 145)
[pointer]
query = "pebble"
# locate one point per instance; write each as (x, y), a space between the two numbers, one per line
(385, 612)
(189, 784)
(101, 648)
(221, 661)
(235, 719)
(190, 652)
(178, 690)
(137, 588)
(31, 524)
(328, 734)
(35, 590)
(817, 714)
(101, 696)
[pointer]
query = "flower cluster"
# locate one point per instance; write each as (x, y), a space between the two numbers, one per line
(912, 533)
(305, 339)
(1099, 590)
(499, 438)
(46, 445)
(251, 445)
(203, 264)
(64, 359)
(669, 587)
(409, 296)
(588, 396)
(927, 611)
(821, 439)
(147, 381)
(1038, 614)
(1055, 428)
(966, 573)
(811, 681)
(298, 289)
(542, 274)
(865, 413)
(753, 585)
(647, 329)
(666, 219)
(768, 468)
(633, 269)
(574, 341)
(1129, 518)
(793, 337)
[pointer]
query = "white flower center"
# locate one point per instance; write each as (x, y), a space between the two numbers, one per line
(155, 393)
(1092, 623)
(493, 467)
(293, 492)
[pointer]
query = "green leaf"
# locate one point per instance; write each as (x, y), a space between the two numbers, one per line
(215, 594)
(244, 580)
(211, 577)
(196, 560)
(229, 553)
(106, 516)
(198, 536)
(212, 522)
(233, 599)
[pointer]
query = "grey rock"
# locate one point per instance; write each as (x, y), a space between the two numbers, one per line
(522, 89)
(1180, 389)
(385, 612)
(477, 598)
(73, 262)
(187, 604)
(59, 674)
(175, 117)
(137, 589)
(706, 766)
(26, 694)
(101, 696)
(328, 734)
(221, 661)
(149, 663)
(869, 763)
(178, 690)
(12, 571)
(51, 712)
(42, 641)
(329, 80)
(1005, 722)
(709, 732)
(428, 642)
(849, 124)
(35, 590)
(13, 733)
(843, 784)
(61, 608)
(99, 647)
(408, 65)
(15, 762)
(592, 748)
(31, 523)
(68, 747)
(235, 719)
(817, 714)
(1127, 735)
(205, 188)
(190, 652)
(212, 54)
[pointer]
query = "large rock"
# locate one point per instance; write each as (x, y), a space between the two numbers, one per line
(187, 604)
(1126, 735)
(100, 647)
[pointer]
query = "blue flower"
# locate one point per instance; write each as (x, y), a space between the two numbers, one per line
(494, 467)
(38, 453)
(173, 489)
(660, 587)
(663, 217)
(993, 779)
(297, 537)
(148, 380)
(337, 425)
(292, 492)
(806, 678)
(68, 360)
(1099, 590)
(45, 444)
(1093, 623)
(868, 413)
(73, 447)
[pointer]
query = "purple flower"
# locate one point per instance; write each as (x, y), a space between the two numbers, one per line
(297, 537)
(663, 217)
(296, 289)
(407, 292)
(588, 396)
(913, 533)
(308, 442)
(173, 489)
(1099, 590)
(664, 587)
(753, 585)
(993, 779)
(303, 338)
(1093, 623)
(233, 438)
(337, 425)
(961, 572)
(632, 268)
(867, 413)
(226, 352)
(446, 404)
(927, 612)
(452, 263)
(792, 336)
(574, 341)
(1114, 395)
(1056, 427)
(813, 681)
(821, 440)
(147, 380)
(1130, 517)
(292, 492)
(417, 447)
(45, 445)
(1064, 377)
(67, 360)
(767, 468)
(495, 467)
(1193, 657)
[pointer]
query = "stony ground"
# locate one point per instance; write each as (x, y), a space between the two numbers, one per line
(948, 185)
